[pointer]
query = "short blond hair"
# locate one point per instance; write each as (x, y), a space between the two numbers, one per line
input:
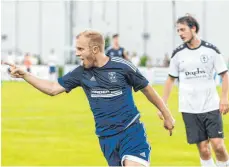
(95, 38)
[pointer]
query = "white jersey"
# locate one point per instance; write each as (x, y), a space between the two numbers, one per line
(195, 69)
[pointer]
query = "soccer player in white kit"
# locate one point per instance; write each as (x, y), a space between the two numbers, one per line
(194, 63)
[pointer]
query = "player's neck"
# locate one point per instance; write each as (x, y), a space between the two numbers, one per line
(194, 43)
(101, 60)
(116, 47)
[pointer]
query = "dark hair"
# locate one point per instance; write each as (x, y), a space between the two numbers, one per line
(115, 35)
(190, 21)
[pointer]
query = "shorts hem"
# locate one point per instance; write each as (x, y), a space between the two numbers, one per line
(220, 137)
(135, 159)
(196, 142)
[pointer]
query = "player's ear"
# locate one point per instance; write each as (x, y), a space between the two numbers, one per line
(193, 29)
(95, 49)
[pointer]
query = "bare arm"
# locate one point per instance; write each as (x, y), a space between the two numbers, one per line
(47, 87)
(155, 99)
(224, 105)
(168, 88)
(125, 55)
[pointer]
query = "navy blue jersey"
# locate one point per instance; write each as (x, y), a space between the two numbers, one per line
(111, 52)
(109, 92)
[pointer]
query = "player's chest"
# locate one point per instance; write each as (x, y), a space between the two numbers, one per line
(116, 53)
(104, 79)
(196, 59)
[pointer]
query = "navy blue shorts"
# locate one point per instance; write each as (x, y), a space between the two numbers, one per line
(52, 69)
(129, 144)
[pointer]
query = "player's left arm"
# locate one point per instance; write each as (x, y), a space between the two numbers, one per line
(221, 69)
(125, 55)
(224, 104)
(139, 82)
(155, 99)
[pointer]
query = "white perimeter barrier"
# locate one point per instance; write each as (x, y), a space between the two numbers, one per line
(41, 71)
(154, 75)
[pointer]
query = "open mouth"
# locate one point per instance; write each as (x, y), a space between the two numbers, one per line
(81, 62)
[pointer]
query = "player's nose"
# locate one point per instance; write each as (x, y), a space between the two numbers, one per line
(180, 33)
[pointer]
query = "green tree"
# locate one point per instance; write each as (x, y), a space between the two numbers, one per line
(143, 61)
(107, 42)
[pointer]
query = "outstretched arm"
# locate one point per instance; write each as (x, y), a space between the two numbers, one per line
(155, 99)
(47, 87)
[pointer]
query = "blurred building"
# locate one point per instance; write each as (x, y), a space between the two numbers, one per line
(37, 26)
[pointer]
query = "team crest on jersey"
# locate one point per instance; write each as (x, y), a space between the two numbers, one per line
(112, 76)
(112, 53)
(120, 53)
(204, 58)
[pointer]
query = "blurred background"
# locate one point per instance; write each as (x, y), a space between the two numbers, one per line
(40, 34)
(145, 27)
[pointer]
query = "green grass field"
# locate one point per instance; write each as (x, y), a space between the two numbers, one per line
(39, 130)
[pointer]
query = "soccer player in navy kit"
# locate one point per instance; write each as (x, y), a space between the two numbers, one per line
(116, 50)
(108, 84)
(194, 63)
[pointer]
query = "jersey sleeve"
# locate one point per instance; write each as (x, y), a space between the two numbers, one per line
(123, 50)
(173, 67)
(107, 51)
(72, 79)
(219, 64)
(135, 78)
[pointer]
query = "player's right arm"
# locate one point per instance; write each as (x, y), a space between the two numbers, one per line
(168, 88)
(173, 74)
(47, 87)
(166, 93)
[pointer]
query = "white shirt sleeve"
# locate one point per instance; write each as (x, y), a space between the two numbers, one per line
(173, 67)
(219, 64)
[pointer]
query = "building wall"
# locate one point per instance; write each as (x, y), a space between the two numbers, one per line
(24, 28)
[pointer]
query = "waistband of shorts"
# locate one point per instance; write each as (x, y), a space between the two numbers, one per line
(134, 123)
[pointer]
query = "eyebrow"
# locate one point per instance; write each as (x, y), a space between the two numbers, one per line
(180, 29)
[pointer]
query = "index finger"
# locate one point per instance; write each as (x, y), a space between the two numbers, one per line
(170, 132)
(9, 64)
